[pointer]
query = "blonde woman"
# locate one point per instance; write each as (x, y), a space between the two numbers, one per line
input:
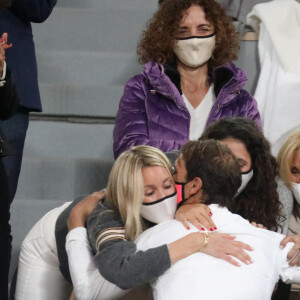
(289, 166)
(289, 186)
(140, 192)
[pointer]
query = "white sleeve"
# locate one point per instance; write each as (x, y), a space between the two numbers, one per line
(2, 81)
(3, 72)
(88, 283)
(289, 274)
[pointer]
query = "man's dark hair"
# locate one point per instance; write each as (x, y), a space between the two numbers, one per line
(216, 166)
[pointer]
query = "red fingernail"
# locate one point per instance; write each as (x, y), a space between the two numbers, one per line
(215, 228)
(210, 213)
(202, 228)
(188, 228)
(211, 229)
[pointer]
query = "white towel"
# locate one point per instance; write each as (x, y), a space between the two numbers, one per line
(278, 88)
(282, 21)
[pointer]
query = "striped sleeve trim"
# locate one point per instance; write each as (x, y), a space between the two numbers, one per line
(109, 234)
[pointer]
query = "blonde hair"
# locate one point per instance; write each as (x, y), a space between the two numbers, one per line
(286, 154)
(125, 190)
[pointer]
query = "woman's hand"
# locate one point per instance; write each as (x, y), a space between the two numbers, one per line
(83, 209)
(294, 255)
(197, 214)
(3, 47)
(223, 246)
(220, 245)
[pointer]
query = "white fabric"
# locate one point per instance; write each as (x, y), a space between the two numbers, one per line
(281, 19)
(3, 71)
(246, 177)
(39, 277)
(2, 81)
(87, 281)
(161, 210)
(38, 271)
(278, 88)
(207, 278)
(199, 115)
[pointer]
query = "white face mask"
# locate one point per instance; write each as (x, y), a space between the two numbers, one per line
(246, 177)
(194, 51)
(161, 210)
(296, 191)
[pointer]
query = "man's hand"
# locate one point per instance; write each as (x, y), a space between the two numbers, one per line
(3, 46)
(83, 209)
(294, 254)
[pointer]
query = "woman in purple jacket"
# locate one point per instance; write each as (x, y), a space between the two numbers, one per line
(188, 81)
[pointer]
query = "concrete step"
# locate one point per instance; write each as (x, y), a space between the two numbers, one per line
(104, 68)
(86, 67)
(61, 178)
(69, 140)
(111, 4)
(69, 77)
(105, 29)
(85, 100)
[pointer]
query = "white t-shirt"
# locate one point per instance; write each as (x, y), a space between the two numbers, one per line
(199, 115)
(204, 277)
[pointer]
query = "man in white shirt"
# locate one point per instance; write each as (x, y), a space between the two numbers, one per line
(203, 277)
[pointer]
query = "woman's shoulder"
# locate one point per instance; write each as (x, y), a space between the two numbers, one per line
(150, 69)
(102, 223)
(283, 191)
(102, 218)
(104, 212)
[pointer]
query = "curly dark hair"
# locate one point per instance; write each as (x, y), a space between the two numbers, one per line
(157, 40)
(259, 201)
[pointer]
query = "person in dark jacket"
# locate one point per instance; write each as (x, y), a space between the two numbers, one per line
(21, 60)
(8, 105)
(188, 81)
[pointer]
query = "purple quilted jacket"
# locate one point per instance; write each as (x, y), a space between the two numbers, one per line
(152, 110)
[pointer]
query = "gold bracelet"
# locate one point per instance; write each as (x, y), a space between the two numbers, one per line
(206, 239)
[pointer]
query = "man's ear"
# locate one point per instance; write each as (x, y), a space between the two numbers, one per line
(196, 185)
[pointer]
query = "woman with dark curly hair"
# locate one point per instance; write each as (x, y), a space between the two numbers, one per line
(257, 199)
(188, 81)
